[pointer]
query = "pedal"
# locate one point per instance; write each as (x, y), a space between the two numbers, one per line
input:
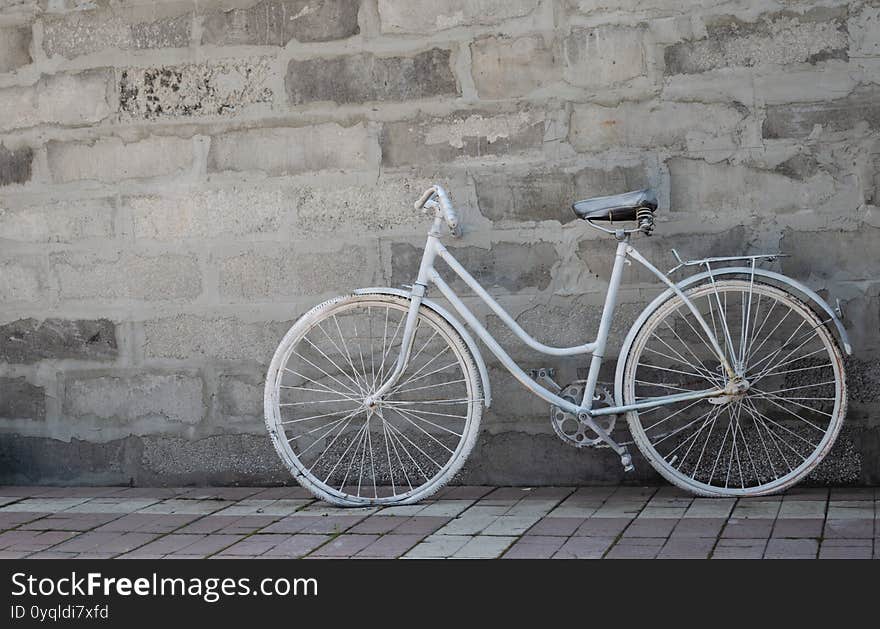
(626, 461)
(545, 375)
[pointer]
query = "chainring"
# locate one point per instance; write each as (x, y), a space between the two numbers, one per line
(569, 428)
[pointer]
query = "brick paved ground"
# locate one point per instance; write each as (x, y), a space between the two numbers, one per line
(461, 522)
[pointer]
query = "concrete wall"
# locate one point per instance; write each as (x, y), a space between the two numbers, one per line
(180, 180)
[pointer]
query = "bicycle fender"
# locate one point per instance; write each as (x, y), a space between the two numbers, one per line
(453, 321)
(811, 296)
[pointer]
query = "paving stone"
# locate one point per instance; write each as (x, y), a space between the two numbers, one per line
(230, 525)
(378, 525)
(535, 547)
(112, 505)
(12, 519)
(253, 545)
(762, 509)
(148, 523)
(602, 527)
(463, 492)
(484, 547)
(555, 527)
(791, 549)
(571, 510)
(438, 547)
(636, 548)
(251, 506)
(665, 513)
(421, 525)
(739, 549)
(850, 510)
(468, 524)
(584, 547)
(32, 541)
(849, 528)
(798, 527)
(283, 493)
(105, 542)
(314, 524)
(846, 549)
(66, 521)
(180, 545)
(748, 529)
(687, 548)
(621, 509)
(810, 509)
(185, 507)
(43, 505)
(698, 527)
(390, 546)
(296, 546)
(655, 528)
(511, 525)
(234, 493)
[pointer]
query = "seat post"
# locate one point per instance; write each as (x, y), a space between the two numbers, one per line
(607, 317)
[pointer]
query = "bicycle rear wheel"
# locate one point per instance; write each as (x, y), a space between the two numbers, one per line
(402, 448)
(761, 441)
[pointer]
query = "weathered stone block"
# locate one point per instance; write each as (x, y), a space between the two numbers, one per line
(542, 195)
(799, 120)
(23, 279)
(111, 159)
(60, 221)
(289, 150)
(204, 89)
(462, 134)
(235, 211)
(62, 99)
(698, 186)
(830, 254)
(429, 16)
(775, 39)
(276, 22)
(15, 165)
(864, 32)
(121, 398)
(15, 42)
(268, 274)
(504, 67)
(28, 340)
(240, 398)
(189, 337)
(512, 266)
(19, 399)
(377, 206)
(692, 126)
(86, 32)
(604, 56)
(366, 77)
(125, 275)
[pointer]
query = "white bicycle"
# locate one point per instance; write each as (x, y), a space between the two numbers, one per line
(732, 380)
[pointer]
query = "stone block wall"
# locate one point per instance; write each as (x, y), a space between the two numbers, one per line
(179, 180)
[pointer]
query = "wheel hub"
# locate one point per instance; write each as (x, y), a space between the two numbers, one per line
(735, 390)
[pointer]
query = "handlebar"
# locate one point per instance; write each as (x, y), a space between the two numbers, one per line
(450, 215)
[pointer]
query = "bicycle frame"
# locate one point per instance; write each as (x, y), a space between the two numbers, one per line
(427, 275)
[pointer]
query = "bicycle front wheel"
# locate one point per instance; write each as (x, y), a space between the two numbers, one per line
(758, 441)
(397, 450)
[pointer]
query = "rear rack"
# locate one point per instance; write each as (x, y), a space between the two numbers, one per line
(707, 262)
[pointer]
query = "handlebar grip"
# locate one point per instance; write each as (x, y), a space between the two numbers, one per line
(442, 201)
(427, 194)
